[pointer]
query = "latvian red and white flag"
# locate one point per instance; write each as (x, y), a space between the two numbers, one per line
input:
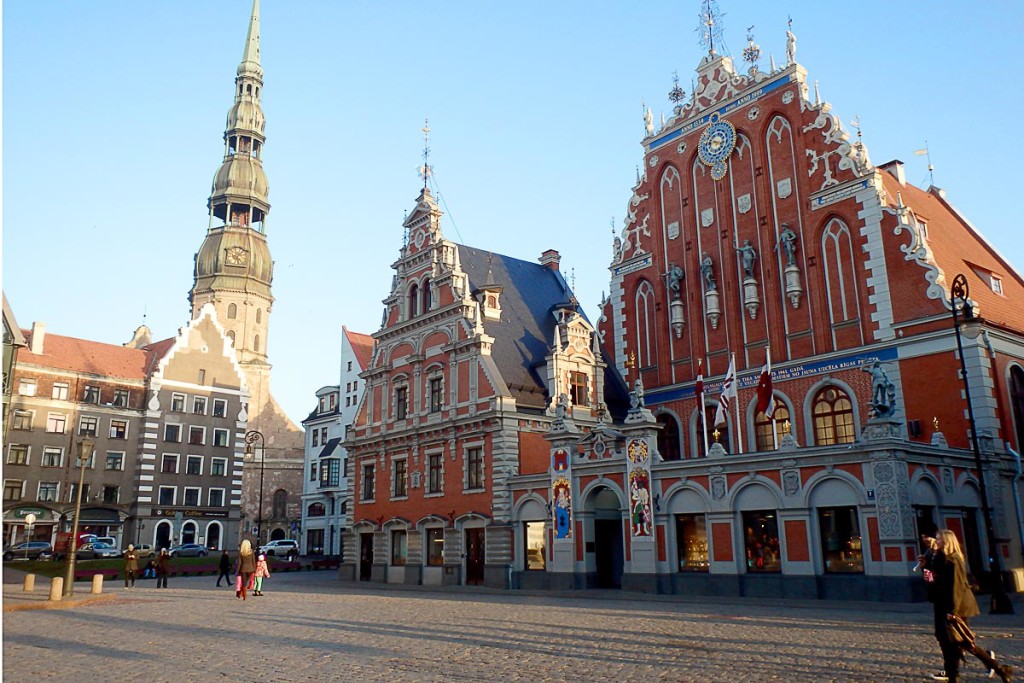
(765, 393)
(728, 394)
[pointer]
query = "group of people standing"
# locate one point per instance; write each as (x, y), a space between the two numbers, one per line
(250, 570)
(945, 575)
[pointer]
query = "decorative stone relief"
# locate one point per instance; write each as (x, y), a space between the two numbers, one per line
(718, 488)
(753, 113)
(791, 483)
(681, 147)
(743, 203)
(631, 235)
(947, 479)
(784, 188)
(919, 252)
(787, 97)
(673, 230)
(707, 217)
(653, 161)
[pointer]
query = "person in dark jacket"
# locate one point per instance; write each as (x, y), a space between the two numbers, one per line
(225, 567)
(951, 594)
(245, 568)
(131, 566)
(163, 568)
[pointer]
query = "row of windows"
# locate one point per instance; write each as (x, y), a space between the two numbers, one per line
(190, 496)
(169, 464)
(53, 456)
(198, 405)
(197, 435)
(56, 423)
(328, 402)
(474, 476)
(319, 436)
(49, 492)
(61, 390)
(435, 397)
(831, 411)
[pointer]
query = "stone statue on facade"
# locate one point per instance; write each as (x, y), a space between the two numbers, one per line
(707, 270)
(636, 397)
(790, 47)
(747, 257)
(675, 280)
(883, 392)
(787, 240)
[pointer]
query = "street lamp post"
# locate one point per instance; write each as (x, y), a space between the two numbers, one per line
(1001, 604)
(85, 450)
(252, 437)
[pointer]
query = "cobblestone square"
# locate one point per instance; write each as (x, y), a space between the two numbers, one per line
(310, 627)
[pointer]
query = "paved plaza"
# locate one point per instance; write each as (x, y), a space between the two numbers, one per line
(309, 627)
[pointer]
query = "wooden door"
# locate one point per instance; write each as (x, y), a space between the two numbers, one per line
(474, 557)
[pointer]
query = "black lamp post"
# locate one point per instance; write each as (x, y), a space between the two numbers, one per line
(85, 451)
(1000, 601)
(252, 437)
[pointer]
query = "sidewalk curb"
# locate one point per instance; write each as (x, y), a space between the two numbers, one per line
(67, 603)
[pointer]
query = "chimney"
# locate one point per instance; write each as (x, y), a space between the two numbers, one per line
(551, 259)
(895, 169)
(38, 337)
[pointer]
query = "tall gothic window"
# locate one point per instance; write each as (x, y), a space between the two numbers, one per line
(833, 417)
(644, 322)
(280, 503)
(427, 303)
(414, 300)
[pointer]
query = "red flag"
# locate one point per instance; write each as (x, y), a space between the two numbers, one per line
(765, 393)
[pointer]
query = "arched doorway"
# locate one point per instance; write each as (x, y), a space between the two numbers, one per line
(609, 555)
(188, 532)
(213, 532)
(163, 535)
(277, 534)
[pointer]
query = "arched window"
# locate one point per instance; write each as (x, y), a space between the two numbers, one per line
(427, 303)
(833, 417)
(1017, 402)
(231, 337)
(644, 322)
(414, 300)
(280, 503)
(763, 428)
(232, 311)
(669, 442)
(259, 315)
(838, 267)
(316, 510)
(256, 343)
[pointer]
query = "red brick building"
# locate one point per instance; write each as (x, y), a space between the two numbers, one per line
(760, 226)
(459, 395)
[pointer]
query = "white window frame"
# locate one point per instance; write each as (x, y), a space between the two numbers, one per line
(28, 454)
(174, 495)
(90, 391)
(195, 402)
(114, 469)
(172, 424)
(53, 418)
(21, 488)
(27, 387)
(49, 450)
(175, 397)
(81, 426)
(214, 461)
(60, 390)
(19, 415)
(394, 478)
(189, 459)
(209, 497)
(223, 412)
(56, 492)
(117, 498)
(199, 495)
(110, 429)
(177, 462)
(227, 437)
(483, 466)
(118, 395)
(202, 441)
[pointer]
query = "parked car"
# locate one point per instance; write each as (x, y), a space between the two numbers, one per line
(30, 550)
(188, 550)
(143, 550)
(96, 551)
(281, 548)
(109, 540)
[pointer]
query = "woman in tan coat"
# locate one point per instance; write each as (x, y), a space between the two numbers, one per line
(244, 569)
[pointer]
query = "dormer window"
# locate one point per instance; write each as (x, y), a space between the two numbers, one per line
(580, 393)
(997, 284)
(490, 299)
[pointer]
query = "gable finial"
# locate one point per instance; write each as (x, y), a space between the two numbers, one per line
(710, 27)
(751, 53)
(426, 171)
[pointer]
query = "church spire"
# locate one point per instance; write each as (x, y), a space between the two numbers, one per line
(233, 269)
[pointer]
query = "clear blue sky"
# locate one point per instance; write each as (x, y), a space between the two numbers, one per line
(113, 114)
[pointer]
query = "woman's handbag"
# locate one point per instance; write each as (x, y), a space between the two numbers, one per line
(238, 583)
(959, 632)
(252, 581)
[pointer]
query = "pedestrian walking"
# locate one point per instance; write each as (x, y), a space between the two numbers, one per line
(131, 566)
(951, 597)
(245, 567)
(225, 567)
(262, 572)
(163, 568)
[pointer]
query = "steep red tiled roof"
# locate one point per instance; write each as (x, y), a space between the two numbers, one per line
(83, 355)
(362, 345)
(156, 351)
(959, 248)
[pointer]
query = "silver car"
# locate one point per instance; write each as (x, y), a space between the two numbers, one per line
(189, 550)
(96, 551)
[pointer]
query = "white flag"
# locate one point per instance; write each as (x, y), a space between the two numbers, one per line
(728, 394)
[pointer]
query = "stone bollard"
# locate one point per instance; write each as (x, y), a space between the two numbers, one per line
(30, 583)
(56, 588)
(97, 584)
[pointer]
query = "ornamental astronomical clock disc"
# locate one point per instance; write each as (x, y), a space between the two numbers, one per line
(716, 144)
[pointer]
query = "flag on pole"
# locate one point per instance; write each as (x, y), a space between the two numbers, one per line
(921, 152)
(765, 393)
(728, 394)
(700, 397)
